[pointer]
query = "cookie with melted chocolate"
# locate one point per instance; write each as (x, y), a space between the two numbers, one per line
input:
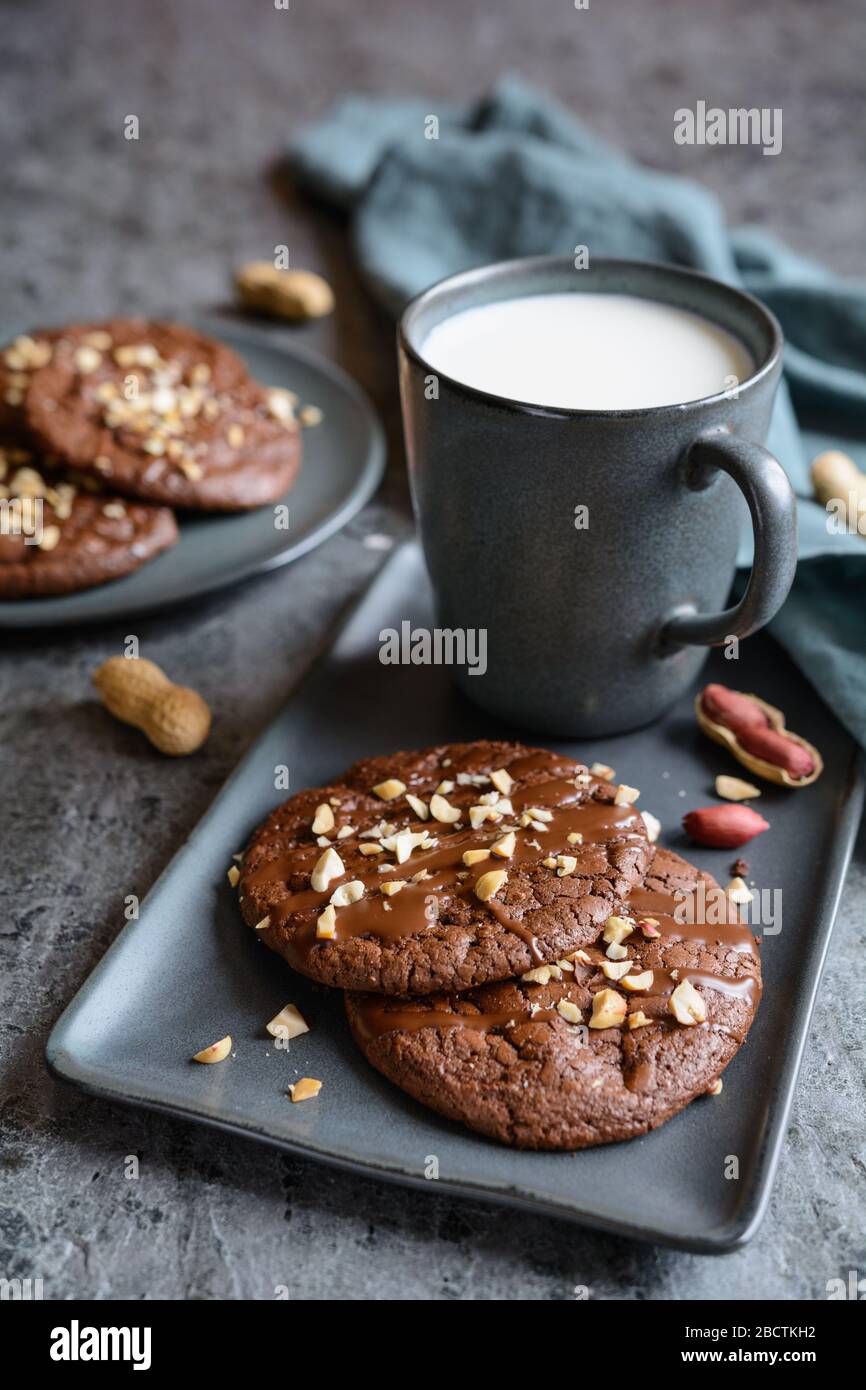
(521, 1061)
(452, 866)
(157, 411)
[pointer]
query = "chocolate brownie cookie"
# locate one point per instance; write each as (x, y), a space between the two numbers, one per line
(596, 1048)
(159, 411)
(442, 869)
(60, 532)
(18, 361)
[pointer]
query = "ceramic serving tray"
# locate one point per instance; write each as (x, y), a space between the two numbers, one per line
(187, 972)
(343, 461)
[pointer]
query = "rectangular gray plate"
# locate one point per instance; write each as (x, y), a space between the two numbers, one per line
(187, 972)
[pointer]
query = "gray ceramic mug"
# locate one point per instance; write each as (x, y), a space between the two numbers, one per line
(596, 631)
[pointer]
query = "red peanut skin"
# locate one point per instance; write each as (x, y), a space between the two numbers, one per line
(752, 729)
(775, 748)
(732, 709)
(724, 827)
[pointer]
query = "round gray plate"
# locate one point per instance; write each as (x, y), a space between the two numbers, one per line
(343, 462)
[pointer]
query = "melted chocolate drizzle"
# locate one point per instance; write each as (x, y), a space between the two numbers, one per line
(376, 1015)
(416, 906)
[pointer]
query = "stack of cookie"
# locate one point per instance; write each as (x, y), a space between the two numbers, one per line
(517, 954)
(109, 427)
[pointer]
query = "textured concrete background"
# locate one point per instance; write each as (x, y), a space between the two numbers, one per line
(93, 224)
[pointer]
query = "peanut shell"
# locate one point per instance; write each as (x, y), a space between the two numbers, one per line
(759, 766)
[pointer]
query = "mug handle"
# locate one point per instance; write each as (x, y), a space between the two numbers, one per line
(773, 508)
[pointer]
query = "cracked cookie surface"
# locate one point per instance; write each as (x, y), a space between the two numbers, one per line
(448, 868)
(522, 1062)
(82, 535)
(158, 411)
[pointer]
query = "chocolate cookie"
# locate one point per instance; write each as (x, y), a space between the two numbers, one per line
(60, 533)
(159, 411)
(608, 1043)
(18, 361)
(442, 869)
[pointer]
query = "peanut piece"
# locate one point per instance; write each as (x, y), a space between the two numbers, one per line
(288, 1023)
(50, 538)
(329, 865)
(442, 810)
(602, 771)
(390, 790)
(735, 789)
(570, 1012)
(617, 928)
(608, 1009)
(490, 883)
(474, 856)
(174, 718)
(538, 975)
(403, 844)
(326, 924)
(635, 982)
(217, 1052)
(87, 359)
(686, 1005)
(347, 893)
(305, 1089)
(738, 891)
(281, 404)
(324, 820)
(614, 970)
(638, 1020)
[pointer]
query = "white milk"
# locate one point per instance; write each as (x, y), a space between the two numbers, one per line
(588, 351)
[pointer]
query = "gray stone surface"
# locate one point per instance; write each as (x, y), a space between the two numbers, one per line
(92, 224)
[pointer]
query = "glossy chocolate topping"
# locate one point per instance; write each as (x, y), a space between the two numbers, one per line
(374, 1016)
(434, 874)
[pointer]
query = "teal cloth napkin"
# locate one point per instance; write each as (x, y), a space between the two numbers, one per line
(518, 175)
